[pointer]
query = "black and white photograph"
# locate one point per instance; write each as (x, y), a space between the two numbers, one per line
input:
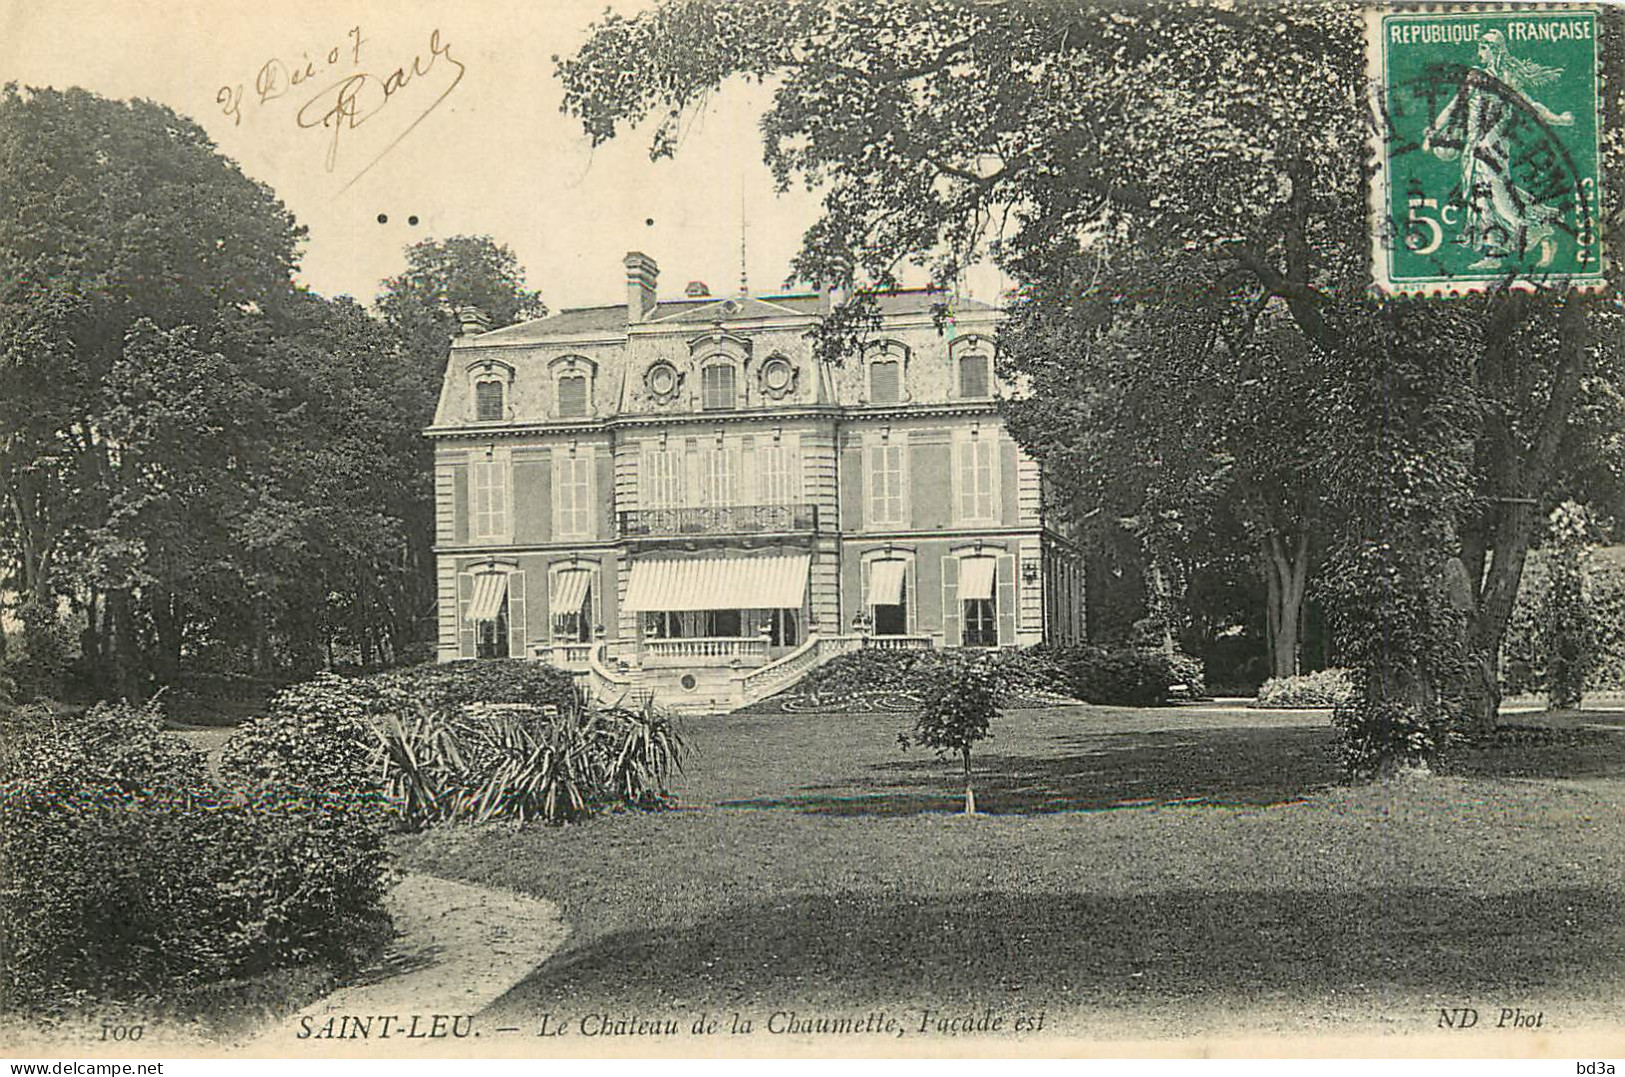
(883, 529)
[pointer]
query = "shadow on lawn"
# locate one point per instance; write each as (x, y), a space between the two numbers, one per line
(855, 948)
(1250, 767)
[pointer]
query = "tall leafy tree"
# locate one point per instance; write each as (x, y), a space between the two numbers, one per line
(1094, 150)
(118, 222)
(421, 303)
(419, 306)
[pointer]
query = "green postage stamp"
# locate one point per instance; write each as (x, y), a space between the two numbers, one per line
(1486, 171)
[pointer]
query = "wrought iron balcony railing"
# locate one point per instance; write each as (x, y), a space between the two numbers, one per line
(717, 520)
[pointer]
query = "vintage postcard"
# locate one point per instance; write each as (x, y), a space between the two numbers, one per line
(780, 528)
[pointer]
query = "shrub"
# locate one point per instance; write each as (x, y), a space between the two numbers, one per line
(1385, 737)
(317, 735)
(1188, 675)
(1525, 652)
(124, 869)
(1120, 676)
(456, 684)
(1323, 688)
(304, 879)
(37, 658)
(1566, 629)
(959, 701)
(882, 678)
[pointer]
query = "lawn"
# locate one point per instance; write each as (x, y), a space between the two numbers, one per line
(1139, 873)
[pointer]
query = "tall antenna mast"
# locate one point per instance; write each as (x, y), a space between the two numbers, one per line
(744, 283)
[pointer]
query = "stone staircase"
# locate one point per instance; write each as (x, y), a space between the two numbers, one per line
(714, 689)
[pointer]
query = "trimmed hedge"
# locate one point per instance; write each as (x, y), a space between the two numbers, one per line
(1122, 676)
(882, 679)
(885, 679)
(1324, 688)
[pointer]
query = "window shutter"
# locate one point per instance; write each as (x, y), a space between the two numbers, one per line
(465, 627)
(488, 401)
(459, 503)
(950, 602)
(572, 396)
(885, 382)
(973, 377)
(1006, 590)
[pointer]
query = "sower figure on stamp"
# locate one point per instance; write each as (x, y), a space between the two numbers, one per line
(1502, 218)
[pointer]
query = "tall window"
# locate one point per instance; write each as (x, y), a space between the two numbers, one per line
(572, 396)
(973, 377)
(717, 387)
(981, 623)
(490, 488)
(778, 474)
(887, 503)
(661, 478)
(491, 636)
(885, 382)
(488, 402)
(974, 478)
(572, 482)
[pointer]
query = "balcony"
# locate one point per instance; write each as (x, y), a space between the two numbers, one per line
(717, 520)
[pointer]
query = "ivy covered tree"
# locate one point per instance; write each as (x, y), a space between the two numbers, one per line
(1097, 152)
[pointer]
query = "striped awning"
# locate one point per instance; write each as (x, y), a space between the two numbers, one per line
(976, 577)
(886, 582)
(569, 591)
(489, 591)
(768, 582)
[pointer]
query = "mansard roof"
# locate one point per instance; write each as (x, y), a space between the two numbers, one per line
(610, 320)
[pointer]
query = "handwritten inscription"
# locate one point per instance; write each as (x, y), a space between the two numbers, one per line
(352, 92)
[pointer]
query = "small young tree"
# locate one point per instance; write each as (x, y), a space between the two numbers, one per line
(1566, 623)
(959, 703)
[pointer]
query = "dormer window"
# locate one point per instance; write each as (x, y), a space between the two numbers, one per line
(490, 390)
(717, 392)
(572, 396)
(572, 386)
(886, 373)
(974, 377)
(490, 404)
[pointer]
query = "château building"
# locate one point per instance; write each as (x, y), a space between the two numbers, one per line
(677, 498)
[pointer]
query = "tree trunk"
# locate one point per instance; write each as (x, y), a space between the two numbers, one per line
(166, 621)
(1522, 480)
(970, 794)
(1286, 574)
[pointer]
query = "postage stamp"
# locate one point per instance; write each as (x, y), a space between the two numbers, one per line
(1486, 149)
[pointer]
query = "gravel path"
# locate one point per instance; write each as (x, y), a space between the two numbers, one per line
(459, 948)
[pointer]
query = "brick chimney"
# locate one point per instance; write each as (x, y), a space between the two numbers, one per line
(641, 275)
(473, 321)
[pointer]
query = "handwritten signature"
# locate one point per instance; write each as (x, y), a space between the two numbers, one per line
(352, 100)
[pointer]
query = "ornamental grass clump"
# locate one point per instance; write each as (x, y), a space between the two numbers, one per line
(487, 762)
(957, 708)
